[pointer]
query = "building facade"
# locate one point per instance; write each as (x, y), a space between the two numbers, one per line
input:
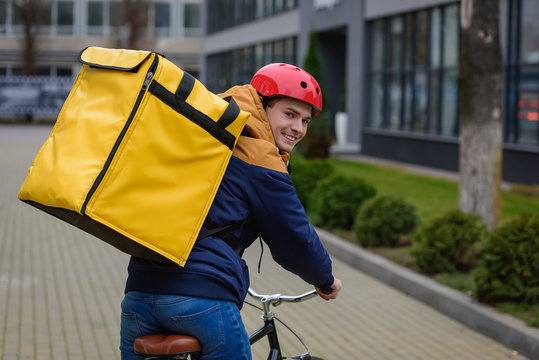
(65, 27)
(394, 66)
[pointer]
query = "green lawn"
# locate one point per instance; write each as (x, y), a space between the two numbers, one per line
(432, 198)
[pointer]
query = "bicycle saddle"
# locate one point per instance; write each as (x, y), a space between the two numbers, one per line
(161, 344)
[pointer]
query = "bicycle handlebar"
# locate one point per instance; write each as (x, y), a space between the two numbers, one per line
(276, 299)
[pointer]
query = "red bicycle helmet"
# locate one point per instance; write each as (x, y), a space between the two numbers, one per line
(288, 80)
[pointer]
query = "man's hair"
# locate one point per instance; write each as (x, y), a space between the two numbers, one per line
(270, 101)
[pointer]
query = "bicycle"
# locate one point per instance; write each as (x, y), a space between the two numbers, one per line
(183, 347)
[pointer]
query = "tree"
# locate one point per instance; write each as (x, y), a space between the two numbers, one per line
(480, 99)
(318, 139)
(30, 12)
(136, 16)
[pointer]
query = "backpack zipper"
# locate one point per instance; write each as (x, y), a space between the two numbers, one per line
(149, 76)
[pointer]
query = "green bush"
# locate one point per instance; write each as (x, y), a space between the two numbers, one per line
(336, 200)
(318, 140)
(382, 221)
(509, 262)
(306, 174)
(447, 243)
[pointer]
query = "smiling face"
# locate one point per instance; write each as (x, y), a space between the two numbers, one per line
(288, 119)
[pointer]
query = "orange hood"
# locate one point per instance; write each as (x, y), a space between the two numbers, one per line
(259, 148)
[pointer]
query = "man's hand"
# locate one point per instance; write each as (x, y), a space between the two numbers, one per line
(336, 287)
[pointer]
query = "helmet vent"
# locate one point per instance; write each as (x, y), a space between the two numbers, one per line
(303, 84)
(317, 90)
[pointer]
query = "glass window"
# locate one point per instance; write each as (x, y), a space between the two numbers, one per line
(162, 19)
(397, 29)
(278, 6)
(3, 15)
(192, 15)
(529, 40)
(413, 89)
(268, 7)
(247, 66)
(421, 33)
(290, 4)
(222, 14)
(45, 12)
(420, 101)
(290, 50)
(268, 52)
(95, 18)
(395, 101)
(191, 19)
(116, 17)
(65, 17)
(408, 40)
(248, 10)
(259, 56)
(44, 15)
(528, 105)
(408, 96)
(377, 45)
(434, 94)
(278, 51)
(435, 37)
(449, 103)
(451, 35)
(259, 12)
(376, 94)
(238, 66)
(16, 16)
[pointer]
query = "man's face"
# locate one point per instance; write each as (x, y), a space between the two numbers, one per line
(288, 119)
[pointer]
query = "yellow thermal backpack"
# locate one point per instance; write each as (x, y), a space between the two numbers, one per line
(137, 154)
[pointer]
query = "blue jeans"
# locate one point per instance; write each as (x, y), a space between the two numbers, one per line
(216, 324)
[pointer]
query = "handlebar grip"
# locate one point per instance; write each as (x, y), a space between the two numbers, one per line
(327, 291)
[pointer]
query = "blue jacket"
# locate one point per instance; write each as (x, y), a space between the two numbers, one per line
(256, 185)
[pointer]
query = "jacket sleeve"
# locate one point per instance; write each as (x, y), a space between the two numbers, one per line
(284, 226)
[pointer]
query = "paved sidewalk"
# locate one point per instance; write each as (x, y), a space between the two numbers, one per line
(60, 291)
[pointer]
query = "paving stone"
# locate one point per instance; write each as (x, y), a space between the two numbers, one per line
(60, 293)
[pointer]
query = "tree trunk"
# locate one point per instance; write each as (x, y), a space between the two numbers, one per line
(29, 11)
(137, 20)
(480, 100)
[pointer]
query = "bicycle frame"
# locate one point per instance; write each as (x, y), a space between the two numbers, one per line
(269, 329)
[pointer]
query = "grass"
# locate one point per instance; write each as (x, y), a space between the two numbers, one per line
(528, 313)
(433, 197)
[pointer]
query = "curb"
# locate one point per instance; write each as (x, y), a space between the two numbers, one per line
(505, 329)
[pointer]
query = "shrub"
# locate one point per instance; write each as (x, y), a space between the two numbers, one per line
(306, 174)
(509, 262)
(336, 200)
(382, 221)
(447, 243)
(318, 140)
